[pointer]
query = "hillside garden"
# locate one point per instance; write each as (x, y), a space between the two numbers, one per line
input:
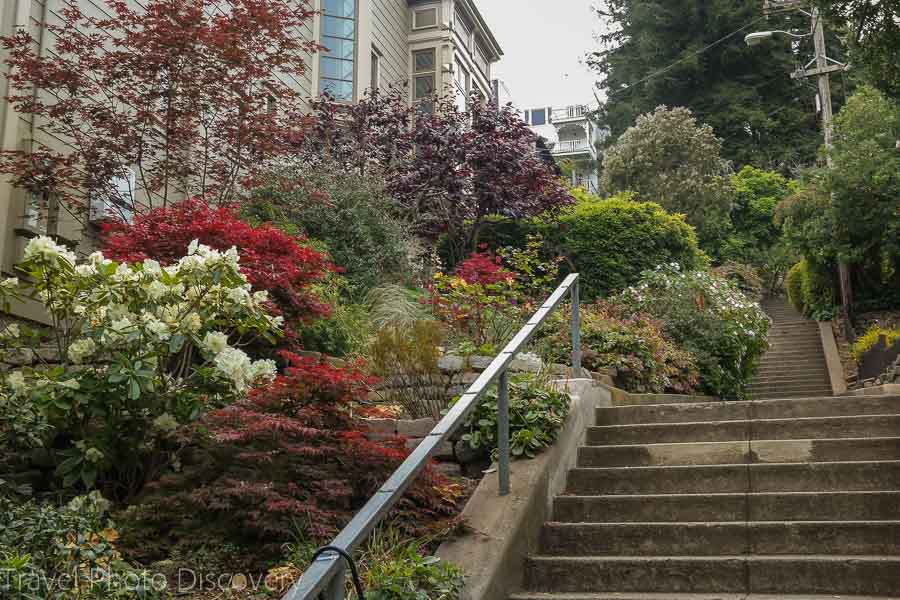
(205, 396)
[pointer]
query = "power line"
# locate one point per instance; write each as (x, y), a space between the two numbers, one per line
(683, 59)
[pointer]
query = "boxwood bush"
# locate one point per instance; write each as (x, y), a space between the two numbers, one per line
(611, 242)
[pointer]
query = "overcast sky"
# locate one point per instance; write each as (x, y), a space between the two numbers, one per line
(544, 43)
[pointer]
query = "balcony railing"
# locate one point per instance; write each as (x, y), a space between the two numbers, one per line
(569, 146)
(569, 112)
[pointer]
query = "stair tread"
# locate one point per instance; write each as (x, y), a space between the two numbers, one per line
(727, 421)
(725, 558)
(753, 441)
(744, 466)
(684, 596)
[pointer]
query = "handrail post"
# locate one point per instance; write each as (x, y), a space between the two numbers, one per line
(335, 589)
(503, 432)
(576, 330)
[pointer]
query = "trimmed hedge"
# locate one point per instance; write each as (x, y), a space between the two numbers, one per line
(611, 242)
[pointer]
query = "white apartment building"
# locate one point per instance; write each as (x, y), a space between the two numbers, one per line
(427, 45)
(573, 138)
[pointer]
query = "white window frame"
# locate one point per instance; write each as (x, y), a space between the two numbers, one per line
(122, 204)
(433, 73)
(428, 9)
(375, 70)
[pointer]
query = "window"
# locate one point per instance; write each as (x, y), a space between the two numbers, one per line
(41, 213)
(376, 70)
(463, 80)
(539, 116)
(464, 28)
(425, 17)
(336, 65)
(424, 71)
(482, 61)
(118, 200)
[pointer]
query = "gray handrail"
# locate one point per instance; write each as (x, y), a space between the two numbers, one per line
(326, 573)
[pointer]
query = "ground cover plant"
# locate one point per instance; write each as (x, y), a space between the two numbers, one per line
(537, 412)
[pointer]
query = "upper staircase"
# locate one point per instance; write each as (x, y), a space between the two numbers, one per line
(784, 498)
(794, 366)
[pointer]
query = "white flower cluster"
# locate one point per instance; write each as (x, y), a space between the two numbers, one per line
(47, 249)
(235, 365)
(81, 349)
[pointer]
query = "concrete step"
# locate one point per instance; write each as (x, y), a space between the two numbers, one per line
(715, 539)
(654, 399)
(755, 451)
(722, 431)
(704, 506)
(786, 395)
(825, 477)
(828, 406)
(788, 377)
(795, 384)
(792, 365)
(812, 574)
(676, 596)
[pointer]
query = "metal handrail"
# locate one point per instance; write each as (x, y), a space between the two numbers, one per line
(326, 574)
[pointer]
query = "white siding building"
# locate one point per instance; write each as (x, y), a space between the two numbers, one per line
(573, 137)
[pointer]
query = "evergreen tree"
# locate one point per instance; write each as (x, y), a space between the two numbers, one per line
(746, 94)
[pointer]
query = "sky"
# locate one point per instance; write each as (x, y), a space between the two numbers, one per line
(544, 43)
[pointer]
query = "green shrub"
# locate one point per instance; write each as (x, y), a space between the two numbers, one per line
(42, 545)
(793, 283)
(351, 215)
(612, 337)
(817, 289)
(611, 242)
(811, 291)
(709, 317)
(865, 342)
(536, 413)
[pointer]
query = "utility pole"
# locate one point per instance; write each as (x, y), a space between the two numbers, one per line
(823, 69)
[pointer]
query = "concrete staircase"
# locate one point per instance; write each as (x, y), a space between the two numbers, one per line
(794, 366)
(782, 498)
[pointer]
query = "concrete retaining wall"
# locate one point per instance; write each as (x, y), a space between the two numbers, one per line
(503, 530)
(832, 359)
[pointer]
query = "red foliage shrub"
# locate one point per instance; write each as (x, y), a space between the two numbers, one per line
(483, 268)
(272, 260)
(289, 457)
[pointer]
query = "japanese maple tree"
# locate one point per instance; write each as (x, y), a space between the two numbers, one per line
(154, 103)
(281, 264)
(289, 459)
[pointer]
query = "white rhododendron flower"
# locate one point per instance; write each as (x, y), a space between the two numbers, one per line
(151, 267)
(11, 330)
(264, 370)
(157, 289)
(235, 365)
(16, 381)
(81, 349)
(192, 322)
(159, 329)
(165, 423)
(44, 247)
(9, 284)
(215, 341)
